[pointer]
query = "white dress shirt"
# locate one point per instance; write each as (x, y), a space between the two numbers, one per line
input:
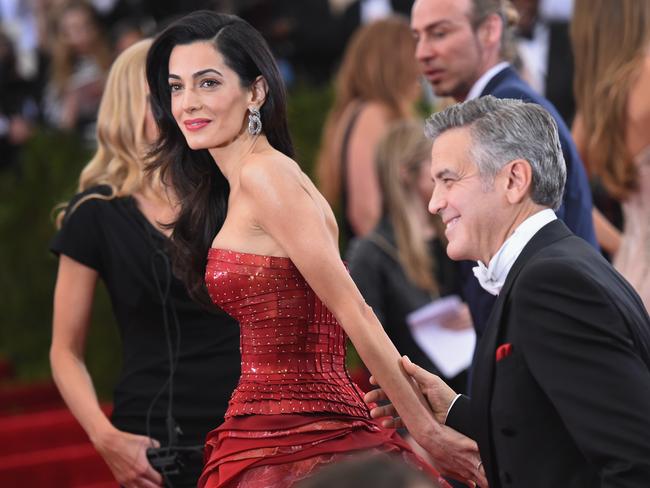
(481, 83)
(492, 276)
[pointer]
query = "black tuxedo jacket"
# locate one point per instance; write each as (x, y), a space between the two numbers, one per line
(576, 206)
(569, 406)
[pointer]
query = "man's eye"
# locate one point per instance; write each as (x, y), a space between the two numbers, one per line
(438, 34)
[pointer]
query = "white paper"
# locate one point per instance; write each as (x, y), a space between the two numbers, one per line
(450, 350)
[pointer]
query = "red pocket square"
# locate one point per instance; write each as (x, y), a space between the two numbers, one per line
(503, 351)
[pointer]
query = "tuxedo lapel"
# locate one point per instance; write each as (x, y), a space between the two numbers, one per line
(484, 361)
(482, 387)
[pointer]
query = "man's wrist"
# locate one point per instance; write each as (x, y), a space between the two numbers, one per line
(450, 407)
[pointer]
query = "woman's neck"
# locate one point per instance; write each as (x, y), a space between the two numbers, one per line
(157, 206)
(230, 157)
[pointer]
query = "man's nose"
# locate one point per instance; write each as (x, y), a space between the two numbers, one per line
(437, 202)
(424, 49)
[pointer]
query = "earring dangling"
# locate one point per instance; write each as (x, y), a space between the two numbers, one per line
(254, 121)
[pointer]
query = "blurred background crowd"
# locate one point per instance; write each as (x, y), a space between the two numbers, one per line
(352, 76)
(54, 59)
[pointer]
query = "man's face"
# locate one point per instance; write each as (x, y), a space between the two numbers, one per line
(471, 212)
(448, 49)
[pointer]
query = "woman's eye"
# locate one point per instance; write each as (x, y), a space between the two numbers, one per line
(174, 87)
(209, 83)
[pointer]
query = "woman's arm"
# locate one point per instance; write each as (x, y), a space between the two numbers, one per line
(273, 190)
(124, 453)
(608, 236)
(363, 194)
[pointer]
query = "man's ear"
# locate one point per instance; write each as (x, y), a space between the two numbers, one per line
(258, 91)
(518, 180)
(490, 30)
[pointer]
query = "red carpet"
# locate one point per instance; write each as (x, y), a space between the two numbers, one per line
(41, 444)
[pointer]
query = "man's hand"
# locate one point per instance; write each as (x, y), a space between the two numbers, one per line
(454, 454)
(126, 456)
(438, 394)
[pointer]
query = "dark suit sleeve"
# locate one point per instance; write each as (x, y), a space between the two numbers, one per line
(578, 347)
(459, 417)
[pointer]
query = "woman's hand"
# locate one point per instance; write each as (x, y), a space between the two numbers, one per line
(126, 456)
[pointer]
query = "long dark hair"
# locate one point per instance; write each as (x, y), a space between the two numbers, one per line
(201, 188)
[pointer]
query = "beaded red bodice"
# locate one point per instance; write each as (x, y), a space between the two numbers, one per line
(292, 347)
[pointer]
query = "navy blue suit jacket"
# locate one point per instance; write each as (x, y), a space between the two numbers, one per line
(576, 203)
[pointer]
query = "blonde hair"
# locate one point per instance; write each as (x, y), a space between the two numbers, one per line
(122, 149)
(399, 159)
(481, 9)
(378, 66)
(609, 41)
(63, 59)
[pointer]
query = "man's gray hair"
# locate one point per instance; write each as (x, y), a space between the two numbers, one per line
(503, 130)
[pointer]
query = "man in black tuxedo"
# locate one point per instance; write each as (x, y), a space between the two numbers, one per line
(463, 48)
(561, 392)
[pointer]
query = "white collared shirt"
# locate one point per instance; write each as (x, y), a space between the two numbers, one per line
(493, 276)
(481, 83)
(501, 263)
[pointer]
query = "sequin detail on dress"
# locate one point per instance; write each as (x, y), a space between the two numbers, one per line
(292, 348)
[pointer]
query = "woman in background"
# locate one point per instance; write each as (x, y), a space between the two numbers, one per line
(80, 59)
(113, 230)
(402, 265)
(611, 43)
(376, 85)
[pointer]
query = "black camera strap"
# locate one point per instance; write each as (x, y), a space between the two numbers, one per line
(165, 459)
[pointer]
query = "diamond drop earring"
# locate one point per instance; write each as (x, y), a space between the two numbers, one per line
(254, 121)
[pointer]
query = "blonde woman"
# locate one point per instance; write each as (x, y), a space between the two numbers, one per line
(401, 265)
(81, 56)
(113, 230)
(611, 42)
(376, 85)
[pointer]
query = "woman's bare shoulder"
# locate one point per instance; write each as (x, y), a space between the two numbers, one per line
(268, 167)
(375, 111)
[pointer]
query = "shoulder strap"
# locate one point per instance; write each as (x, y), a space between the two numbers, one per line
(382, 243)
(346, 139)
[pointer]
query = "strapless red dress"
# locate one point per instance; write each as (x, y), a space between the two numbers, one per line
(295, 406)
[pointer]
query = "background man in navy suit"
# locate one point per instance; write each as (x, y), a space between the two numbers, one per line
(463, 47)
(561, 391)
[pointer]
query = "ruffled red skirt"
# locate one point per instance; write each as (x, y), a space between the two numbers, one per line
(279, 450)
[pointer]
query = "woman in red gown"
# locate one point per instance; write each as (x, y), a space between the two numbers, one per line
(272, 263)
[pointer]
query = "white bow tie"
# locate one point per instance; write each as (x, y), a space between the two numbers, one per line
(486, 279)
(493, 276)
